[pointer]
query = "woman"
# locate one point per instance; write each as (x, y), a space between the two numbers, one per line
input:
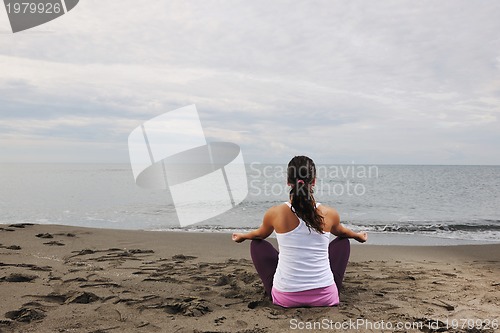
(308, 269)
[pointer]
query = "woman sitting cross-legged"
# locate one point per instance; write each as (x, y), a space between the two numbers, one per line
(308, 269)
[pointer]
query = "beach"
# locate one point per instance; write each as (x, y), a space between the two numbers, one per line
(56, 278)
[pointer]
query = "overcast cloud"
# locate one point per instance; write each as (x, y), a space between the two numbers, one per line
(392, 82)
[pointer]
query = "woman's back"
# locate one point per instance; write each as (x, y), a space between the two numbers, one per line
(303, 258)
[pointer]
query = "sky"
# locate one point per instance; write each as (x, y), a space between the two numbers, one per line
(385, 82)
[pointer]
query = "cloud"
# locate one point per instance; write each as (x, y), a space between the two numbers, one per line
(392, 82)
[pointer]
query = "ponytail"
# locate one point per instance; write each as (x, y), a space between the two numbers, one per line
(301, 175)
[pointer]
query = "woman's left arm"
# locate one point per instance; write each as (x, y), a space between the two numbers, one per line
(339, 230)
(262, 232)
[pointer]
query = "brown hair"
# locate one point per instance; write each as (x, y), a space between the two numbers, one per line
(301, 175)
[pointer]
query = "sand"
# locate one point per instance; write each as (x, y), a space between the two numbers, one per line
(70, 279)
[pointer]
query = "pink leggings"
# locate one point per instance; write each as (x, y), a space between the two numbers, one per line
(265, 260)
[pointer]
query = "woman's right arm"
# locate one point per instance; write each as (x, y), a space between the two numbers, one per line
(262, 232)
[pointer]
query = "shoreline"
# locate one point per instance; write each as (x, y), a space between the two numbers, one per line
(77, 279)
(378, 238)
(375, 237)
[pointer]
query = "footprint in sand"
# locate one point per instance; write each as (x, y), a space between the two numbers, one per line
(222, 281)
(31, 267)
(78, 297)
(181, 258)
(26, 314)
(20, 225)
(44, 235)
(18, 277)
(56, 243)
(254, 304)
(188, 306)
(67, 234)
(241, 324)
(10, 247)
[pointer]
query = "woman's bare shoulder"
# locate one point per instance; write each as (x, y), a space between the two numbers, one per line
(328, 212)
(278, 209)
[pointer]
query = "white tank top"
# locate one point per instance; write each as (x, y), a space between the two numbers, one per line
(303, 262)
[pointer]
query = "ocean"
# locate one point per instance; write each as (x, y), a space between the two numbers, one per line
(396, 203)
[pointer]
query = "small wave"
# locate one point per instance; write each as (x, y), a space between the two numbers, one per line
(464, 231)
(438, 227)
(209, 228)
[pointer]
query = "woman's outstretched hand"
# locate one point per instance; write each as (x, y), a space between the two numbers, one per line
(238, 238)
(361, 237)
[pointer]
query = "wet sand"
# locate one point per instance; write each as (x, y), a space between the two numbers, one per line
(70, 279)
